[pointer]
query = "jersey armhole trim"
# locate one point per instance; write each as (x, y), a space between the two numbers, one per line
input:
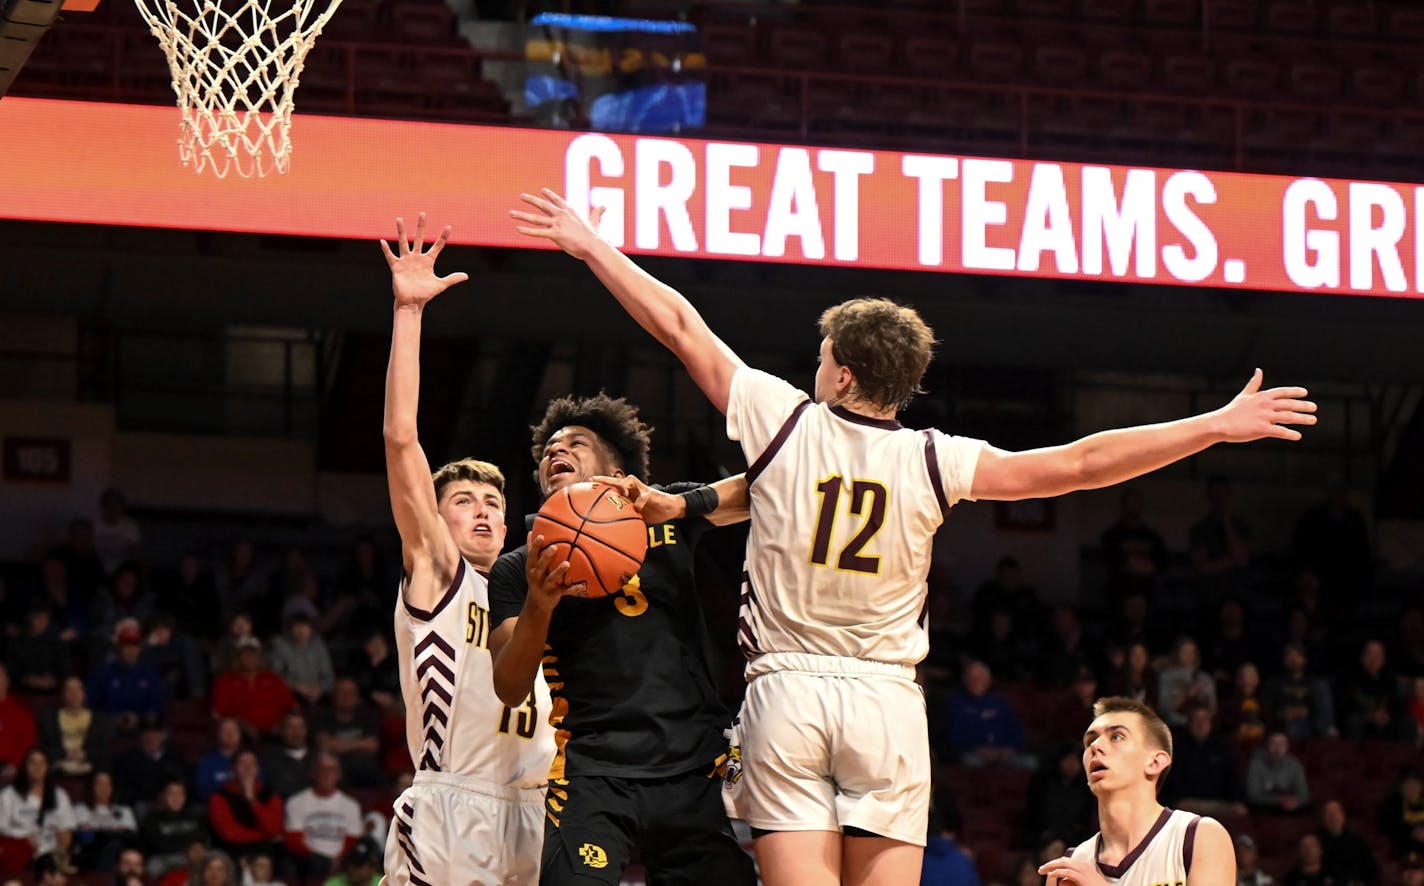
(1189, 842)
(417, 612)
(776, 442)
(936, 479)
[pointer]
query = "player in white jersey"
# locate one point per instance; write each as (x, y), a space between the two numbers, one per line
(1126, 752)
(844, 502)
(475, 813)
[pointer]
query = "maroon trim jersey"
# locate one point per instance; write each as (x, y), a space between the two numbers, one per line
(844, 511)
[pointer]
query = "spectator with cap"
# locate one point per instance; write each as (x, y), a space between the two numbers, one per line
(301, 659)
(246, 815)
(126, 687)
(1275, 778)
(1297, 703)
(17, 728)
(287, 765)
(1248, 863)
(251, 692)
(352, 732)
(170, 828)
(361, 866)
(215, 767)
(1348, 857)
(38, 659)
(144, 770)
(323, 823)
(76, 737)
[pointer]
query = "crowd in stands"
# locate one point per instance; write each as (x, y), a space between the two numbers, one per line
(241, 721)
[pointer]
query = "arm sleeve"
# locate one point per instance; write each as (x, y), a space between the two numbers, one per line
(957, 457)
(507, 587)
(758, 405)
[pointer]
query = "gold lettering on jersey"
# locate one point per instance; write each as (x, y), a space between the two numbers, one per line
(477, 626)
(593, 856)
(630, 600)
(662, 534)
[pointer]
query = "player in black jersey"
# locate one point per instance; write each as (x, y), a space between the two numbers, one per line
(639, 723)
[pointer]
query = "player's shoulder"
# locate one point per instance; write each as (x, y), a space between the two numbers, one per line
(509, 565)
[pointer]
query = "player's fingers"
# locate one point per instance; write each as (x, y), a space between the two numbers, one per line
(457, 277)
(530, 217)
(542, 233)
(596, 215)
(400, 232)
(1296, 418)
(1294, 405)
(1285, 433)
(539, 203)
(439, 243)
(419, 232)
(1254, 384)
(553, 197)
(536, 545)
(390, 256)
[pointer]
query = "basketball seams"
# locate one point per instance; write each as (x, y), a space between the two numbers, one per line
(583, 541)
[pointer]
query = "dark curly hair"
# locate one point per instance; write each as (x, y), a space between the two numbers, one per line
(613, 419)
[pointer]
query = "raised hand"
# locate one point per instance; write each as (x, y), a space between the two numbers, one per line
(413, 277)
(653, 505)
(1255, 414)
(556, 221)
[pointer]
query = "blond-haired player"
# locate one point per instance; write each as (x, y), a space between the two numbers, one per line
(475, 812)
(844, 504)
(1127, 751)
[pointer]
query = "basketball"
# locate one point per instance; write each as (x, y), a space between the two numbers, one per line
(598, 532)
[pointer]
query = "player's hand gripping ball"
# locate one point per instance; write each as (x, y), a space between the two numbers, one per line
(598, 531)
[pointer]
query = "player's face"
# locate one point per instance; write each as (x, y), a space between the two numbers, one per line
(474, 512)
(573, 454)
(1116, 754)
(832, 378)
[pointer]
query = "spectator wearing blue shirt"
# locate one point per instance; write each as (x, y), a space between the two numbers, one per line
(215, 767)
(124, 686)
(945, 863)
(984, 729)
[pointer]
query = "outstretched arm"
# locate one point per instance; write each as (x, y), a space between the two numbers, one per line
(729, 500)
(1115, 456)
(657, 307)
(424, 539)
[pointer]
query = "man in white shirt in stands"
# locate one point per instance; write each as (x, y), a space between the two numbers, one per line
(323, 822)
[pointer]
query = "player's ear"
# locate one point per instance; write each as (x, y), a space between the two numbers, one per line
(1158, 762)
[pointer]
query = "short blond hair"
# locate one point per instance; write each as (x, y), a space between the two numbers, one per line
(1158, 734)
(471, 469)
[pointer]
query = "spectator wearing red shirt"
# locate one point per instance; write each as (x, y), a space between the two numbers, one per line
(17, 728)
(245, 816)
(250, 692)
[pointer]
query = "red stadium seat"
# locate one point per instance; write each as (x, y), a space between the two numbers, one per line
(1231, 15)
(1122, 68)
(935, 57)
(1252, 77)
(1189, 73)
(1116, 11)
(1377, 85)
(1060, 65)
(866, 53)
(1171, 13)
(729, 43)
(995, 60)
(1314, 82)
(1291, 17)
(798, 48)
(1356, 20)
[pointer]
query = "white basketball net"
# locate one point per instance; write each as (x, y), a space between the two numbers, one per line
(236, 65)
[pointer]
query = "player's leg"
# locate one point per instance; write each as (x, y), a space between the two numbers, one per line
(686, 839)
(524, 838)
(791, 858)
(882, 779)
(589, 825)
(879, 861)
(784, 789)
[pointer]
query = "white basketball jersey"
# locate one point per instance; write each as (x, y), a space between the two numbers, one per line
(1161, 859)
(844, 509)
(454, 722)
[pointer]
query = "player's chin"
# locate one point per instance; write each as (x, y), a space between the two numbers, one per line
(555, 482)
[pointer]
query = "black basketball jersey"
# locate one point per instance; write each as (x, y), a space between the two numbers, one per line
(633, 694)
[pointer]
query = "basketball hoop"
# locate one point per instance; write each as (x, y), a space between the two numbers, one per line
(236, 65)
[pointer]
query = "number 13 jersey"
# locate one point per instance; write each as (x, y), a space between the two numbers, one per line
(844, 510)
(454, 721)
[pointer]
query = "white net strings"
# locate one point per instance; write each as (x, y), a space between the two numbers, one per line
(236, 65)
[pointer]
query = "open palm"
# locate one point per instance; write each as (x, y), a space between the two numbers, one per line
(413, 278)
